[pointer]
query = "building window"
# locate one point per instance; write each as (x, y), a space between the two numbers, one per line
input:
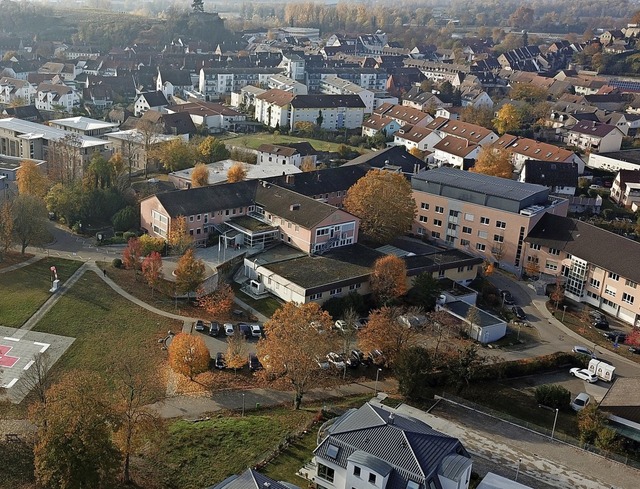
(610, 291)
(497, 238)
(435, 234)
(614, 276)
(372, 478)
(450, 239)
(485, 220)
(594, 283)
(423, 218)
(534, 246)
(314, 297)
(466, 230)
(356, 471)
(464, 242)
(453, 213)
(551, 265)
(627, 298)
(554, 251)
(198, 217)
(469, 217)
(335, 291)
(469, 268)
(424, 206)
(190, 218)
(439, 209)
(482, 234)
(437, 222)
(480, 247)
(326, 473)
(460, 269)
(412, 485)
(322, 232)
(501, 224)
(421, 231)
(630, 284)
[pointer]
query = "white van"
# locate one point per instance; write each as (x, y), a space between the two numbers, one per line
(605, 371)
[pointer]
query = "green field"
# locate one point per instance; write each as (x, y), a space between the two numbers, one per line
(253, 141)
(105, 326)
(24, 290)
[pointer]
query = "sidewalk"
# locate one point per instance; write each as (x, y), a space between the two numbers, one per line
(25, 263)
(196, 407)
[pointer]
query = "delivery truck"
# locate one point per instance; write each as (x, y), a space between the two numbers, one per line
(605, 371)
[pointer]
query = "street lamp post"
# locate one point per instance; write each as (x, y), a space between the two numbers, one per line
(377, 376)
(564, 310)
(518, 469)
(243, 404)
(555, 420)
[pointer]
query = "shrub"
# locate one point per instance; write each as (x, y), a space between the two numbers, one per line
(150, 244)
(128, 235)
(116, 263)
(554, 396)
(126, 218)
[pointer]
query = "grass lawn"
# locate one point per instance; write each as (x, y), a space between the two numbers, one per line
(26, 289)
(266, 306)
(13, 258)
(286, 465)
(105, 325)
(201, 454)
(253, 141)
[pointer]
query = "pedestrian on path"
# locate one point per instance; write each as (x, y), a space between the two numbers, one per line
(104, 272)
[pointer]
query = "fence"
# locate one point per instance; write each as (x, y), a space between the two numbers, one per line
(539, 430)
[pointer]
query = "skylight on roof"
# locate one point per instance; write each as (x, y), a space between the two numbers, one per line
(332, 451)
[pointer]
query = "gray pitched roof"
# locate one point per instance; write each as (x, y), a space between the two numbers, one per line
(412, 448)
(250, 479)
(208, 199)
(316, 101)
(593, 244)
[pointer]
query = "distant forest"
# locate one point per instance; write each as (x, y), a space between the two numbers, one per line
(410, 21)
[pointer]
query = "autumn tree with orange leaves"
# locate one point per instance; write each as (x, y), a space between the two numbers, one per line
(32, 181)
(152, 270)
(200, 176)
(237, 173)
(220, 302)
(383, 200)
(132, 256)
(296, 337)
(494, 162)
(388, 279)
(189, 273)
(179, 237)
(188, 355)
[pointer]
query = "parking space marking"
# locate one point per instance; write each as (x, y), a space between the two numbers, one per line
(11, 384)
(43, 345)
(28, 365)
(9, 338)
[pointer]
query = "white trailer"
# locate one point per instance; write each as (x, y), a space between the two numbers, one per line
(605, 371)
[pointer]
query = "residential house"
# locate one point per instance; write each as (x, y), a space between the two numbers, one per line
(252, 479)
(598, 267)
(628, 159)
(476, 98)
(369, 78)
(254, 213)
(135, 146)
(212, 116)
(149, 100)
(24, 112)
(451, 113)
(282, 82)
(393, 158)
(421, 100)
(561, 178)
(621, 406)
(14, 91)
(594, 137)
(85, 126)
(379, 123)
(173, 83)
(404, 115)
(523, 149)
(245, 98)
(52, 97)
(283, 155)
(481, 214)
(526, 58)
(419, 138)
(214, 83)
(171, 123)
(293, 66)
(272, 108)
(455, 152)
(439, 72)
(380, 447)
(585, 205)
(626, 188)
(464, 130)
(330, 112)
(332, 85)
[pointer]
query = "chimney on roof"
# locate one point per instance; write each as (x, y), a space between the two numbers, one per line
(294, 207)
(391, 418)
(289, 179)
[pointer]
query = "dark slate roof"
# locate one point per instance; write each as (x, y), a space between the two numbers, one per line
(303, 147)
(321, 181)
(411, 447)
(292, 206)
(155, 99)
(551, 174)
(26, 112)
(208, 199)
(250, 479)
(317, 101)
(593, 244)
(445, 260)
(591, 128)
(394, 156)
(176, 77)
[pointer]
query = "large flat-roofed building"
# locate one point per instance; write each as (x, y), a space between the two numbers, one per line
(615, 161)
(484, 215)
(599, 267)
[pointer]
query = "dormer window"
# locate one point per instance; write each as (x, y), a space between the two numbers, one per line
(332, 451)
(413, 485)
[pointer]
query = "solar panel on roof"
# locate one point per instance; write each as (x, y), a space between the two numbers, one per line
(332, 451)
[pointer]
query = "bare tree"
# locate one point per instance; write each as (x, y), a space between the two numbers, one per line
(37, 378)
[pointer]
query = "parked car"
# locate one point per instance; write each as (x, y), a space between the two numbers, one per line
(583, 350)
(361, 323)
(199, 325)
(584, 374)
(214, 328)
(340, 325)
(615, 336)
(245, 330)
(228, 329)
(336, 359)
(355, 358)
(322, 363)
(601, 324)
(596, 315)
(580, 402)
(519, 313)
(507, 298)
(634, 349)
(220, 362)
(256, 331)
(376, 358)
(254, 363)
